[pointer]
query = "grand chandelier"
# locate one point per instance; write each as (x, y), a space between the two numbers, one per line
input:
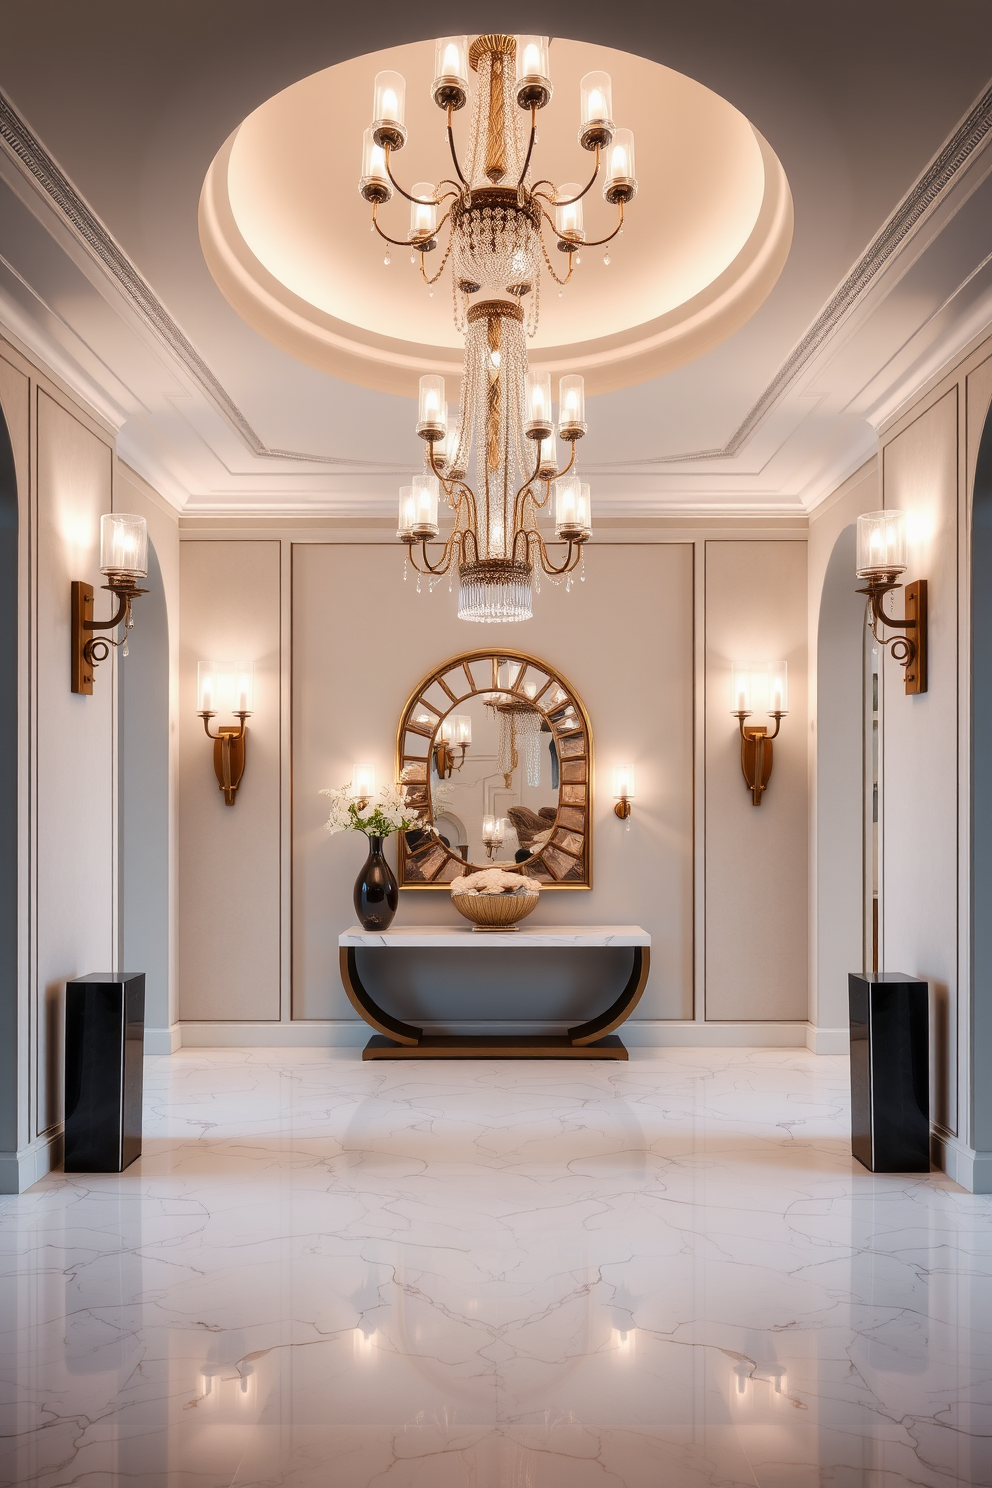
(495, 210)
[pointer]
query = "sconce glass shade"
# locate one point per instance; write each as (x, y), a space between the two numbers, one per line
(123, 545)
(225, 687)
(374, 185)
(595, 100)
(621, 182)
(362, 782)
(425, 498)
(457, 728)
(881, 543)
(760, 687)
(493, 830)
(572, 407)
(450, 86)
(423, 219)
(539, 418)
(573, 513)
(433, 413)
(568, 216)
(389, 109)
(548, 466)
(507, 673)
(533, 72)
(408, 513)
(623, 782)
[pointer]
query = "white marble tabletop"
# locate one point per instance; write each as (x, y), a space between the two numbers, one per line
(430, 936)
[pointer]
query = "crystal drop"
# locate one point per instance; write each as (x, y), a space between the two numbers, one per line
(124, 649)
(418, 583)
(413, 258)
(578, 259)
(561, 294)
(430, 294)
(606, 259)
(386, 260)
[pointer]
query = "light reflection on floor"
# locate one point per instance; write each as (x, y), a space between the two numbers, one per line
(498, 1276)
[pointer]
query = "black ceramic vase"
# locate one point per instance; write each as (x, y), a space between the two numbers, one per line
(376, 891)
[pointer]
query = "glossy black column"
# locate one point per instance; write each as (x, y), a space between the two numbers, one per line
(890, 1072)
(104, 1045)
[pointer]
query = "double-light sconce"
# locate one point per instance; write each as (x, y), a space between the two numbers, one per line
(759, 687)
(494, 829)
(123, 560)
(226, 687)
(455, 733)
(881, 559)
(623, 791)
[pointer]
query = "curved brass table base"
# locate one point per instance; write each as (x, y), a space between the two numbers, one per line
(395, 1039)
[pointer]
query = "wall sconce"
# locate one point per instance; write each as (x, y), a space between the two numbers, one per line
(362, 785)
(455, 733)
(623, 790)
(759, 687)
(881, 559)
(228, 687)
(123, 559)
(493, 828)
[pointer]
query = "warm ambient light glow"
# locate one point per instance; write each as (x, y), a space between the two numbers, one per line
(225, 686)
(123, 544)
(760, 687)
(362, 782)
(623, 782)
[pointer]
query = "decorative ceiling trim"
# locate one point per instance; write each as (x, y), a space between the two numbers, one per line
(30, 155)
(915, 207)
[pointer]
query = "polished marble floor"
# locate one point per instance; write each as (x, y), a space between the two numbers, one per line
(667, 1274)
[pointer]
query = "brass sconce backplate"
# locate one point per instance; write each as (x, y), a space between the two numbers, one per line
(81, 613)
(756, 760)
(916, 610)
(229, 758)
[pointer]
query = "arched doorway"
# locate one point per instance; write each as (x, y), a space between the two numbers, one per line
(8, 793)
(981, 801)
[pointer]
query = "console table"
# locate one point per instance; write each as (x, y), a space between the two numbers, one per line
(595, 1039)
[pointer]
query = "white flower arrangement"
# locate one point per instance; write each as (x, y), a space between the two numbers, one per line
(388, 813)
(495, 881)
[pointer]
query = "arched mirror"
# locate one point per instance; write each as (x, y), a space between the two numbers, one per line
(495, 749)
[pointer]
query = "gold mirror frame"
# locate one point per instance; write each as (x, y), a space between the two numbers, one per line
(565, 860)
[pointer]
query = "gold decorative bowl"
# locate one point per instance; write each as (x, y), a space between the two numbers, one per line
(495, 911)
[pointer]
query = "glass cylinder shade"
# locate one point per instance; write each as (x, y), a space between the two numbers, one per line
(425, 499)
(548, 465)
(408, 513)
(446, 454)
(450, 86)
(881, 543)
(539, 417)
(457, 729)
(389, 109)
(123, 545)
(533, 72)
(759, 687)
(225, 686)
(568, 216)
(374, 184)
(621, 180)
(571, 407)
(362, 782)
(623, 782)
(573, 516)
(423, 219)
(596, 98)
(433, 412)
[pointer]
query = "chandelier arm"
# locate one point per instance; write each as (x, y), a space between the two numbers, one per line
(389, 172)
(571, 462)
(598, 242)
(396, 242)
(570, 561)
(441, 266)
(586, 188)
(451, 147)
(449, 486)
(530, 146)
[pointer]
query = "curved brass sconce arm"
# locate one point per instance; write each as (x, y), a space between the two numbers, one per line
(756, 753)
(229, 752)
(89, 650)
(909, 651)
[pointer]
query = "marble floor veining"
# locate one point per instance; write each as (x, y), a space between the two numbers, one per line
(667, 1274)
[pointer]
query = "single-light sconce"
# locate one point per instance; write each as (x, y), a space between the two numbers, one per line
(455, 733)
(123, 560)
(492, 834)
(362, 785)
(759, 687)
(623, 790)
(226, 687)
(881, 559)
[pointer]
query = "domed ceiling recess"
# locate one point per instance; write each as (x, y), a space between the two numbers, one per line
(286, 234)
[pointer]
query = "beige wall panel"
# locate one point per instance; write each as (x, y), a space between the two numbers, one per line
(919, 906)
(75, 787)
(362, 640)
(756, 857)
(229, 865)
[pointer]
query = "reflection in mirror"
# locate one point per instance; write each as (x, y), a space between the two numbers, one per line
(494, 749)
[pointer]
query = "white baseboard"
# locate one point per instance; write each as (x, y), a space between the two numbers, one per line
(21, 1170)
(643, 1033)
(972, 1169)
(828, 1040)
(163, 1040)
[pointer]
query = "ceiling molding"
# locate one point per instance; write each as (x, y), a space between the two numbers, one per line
(30, 156)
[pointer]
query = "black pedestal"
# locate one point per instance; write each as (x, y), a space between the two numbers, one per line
(890, 1072)
(104, 1044)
